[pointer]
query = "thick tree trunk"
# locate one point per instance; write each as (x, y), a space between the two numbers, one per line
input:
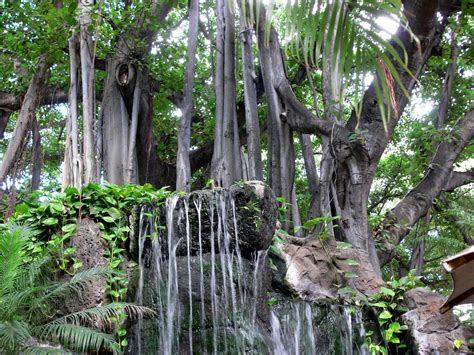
(218, 155)
(72, 173)
(88, 92)
(226, 163)
(117, 106)
(281, 157)
(183, 166)
(250, 94)
(231, 173)
(25, 117)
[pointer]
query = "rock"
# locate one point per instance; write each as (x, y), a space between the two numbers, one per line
(431, 331)
(311, 268)
(89, 250)
(256, 213)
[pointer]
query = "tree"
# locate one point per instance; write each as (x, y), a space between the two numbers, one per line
(327, 73)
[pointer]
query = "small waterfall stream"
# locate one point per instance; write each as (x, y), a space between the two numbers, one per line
(211, 298)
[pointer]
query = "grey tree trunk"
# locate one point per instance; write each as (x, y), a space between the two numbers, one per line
(281, 157)
(226, 163)
(218, 155)
(230, 173)
(88, 92)
(25, 117)
(311, 174)
(72, 174)
(250, 95)
(183, 167)
(117, 105)
(36, 157)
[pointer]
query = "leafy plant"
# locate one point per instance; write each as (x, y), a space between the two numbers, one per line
(29, 302)
(389, 303)
(54, 216)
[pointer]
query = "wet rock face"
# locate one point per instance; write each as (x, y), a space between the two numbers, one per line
(251, 207)
(431, 331)
(202, 266)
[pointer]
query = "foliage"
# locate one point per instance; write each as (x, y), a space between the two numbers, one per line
(30, 320)
(389, 305)
(53, 217)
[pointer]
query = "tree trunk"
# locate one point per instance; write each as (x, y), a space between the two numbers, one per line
(72, 173)
(36, 157)
(311, 174)
(26, 115)
(183, 167)
(226, 163)
(250, 94)
(88, 91)
(218, 155)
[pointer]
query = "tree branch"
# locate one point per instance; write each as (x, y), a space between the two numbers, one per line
(419, 200)
(459, 178)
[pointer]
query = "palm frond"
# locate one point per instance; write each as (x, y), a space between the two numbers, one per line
(345, 39)
(76, 284)
(77, 338)
(13, 334)
(103, 314)
(46, 350)
(12, 242)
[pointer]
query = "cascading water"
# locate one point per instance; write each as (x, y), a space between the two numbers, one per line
(211, 298)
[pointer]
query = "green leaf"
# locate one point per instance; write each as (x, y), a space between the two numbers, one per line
(351, 262)
(69, 228)
(108, 219)
(343, 245)
(385, 315)
(458, 343)
(345, 290)
(387, 291)
(50, 221)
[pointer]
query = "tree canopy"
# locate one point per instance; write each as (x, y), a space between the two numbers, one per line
(357, 114)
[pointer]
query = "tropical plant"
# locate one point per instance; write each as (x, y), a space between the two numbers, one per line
(30, 303)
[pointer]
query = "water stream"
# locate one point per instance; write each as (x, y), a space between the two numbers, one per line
(211, 299)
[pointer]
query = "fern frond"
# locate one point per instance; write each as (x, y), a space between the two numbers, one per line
(12, 335)
(46, 350)
(103, 314)
(76, 284)
(77, 338)
(12, 242)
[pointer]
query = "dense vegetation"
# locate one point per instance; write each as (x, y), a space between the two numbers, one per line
(357, 114)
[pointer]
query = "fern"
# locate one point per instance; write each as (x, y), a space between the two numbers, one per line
(76, 337)
(29, 304)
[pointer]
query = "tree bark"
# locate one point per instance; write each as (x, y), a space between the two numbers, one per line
(88, 92)
(117, 104)
(250, 95)
(183, 166)
(311, 174)
(281, 157)
(72, 173)
(36, 157)
(218, 155)
(26, 115)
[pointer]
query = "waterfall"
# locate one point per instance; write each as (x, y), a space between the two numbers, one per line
(210, 297)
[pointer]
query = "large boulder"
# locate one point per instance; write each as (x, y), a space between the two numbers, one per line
(251, 206)
(89, 249)
(311, 268)
(431, 331)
